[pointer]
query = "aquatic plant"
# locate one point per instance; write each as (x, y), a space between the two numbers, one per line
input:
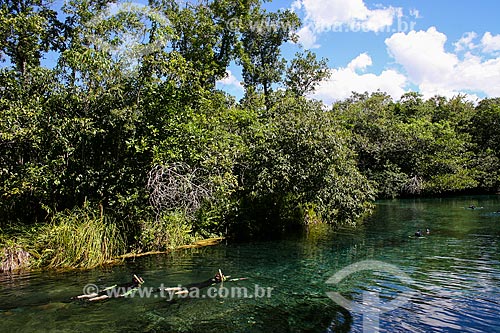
(82, 237)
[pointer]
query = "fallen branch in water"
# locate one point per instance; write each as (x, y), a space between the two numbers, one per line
(200, 243)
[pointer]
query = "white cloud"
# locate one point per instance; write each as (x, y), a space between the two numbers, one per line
(307, 38)
(327, 15)
(423, 56)
(466, 42)
(490, 43)
(380, 18)
(231, 81)
(296, 5)
(360, 62)
(345, 80)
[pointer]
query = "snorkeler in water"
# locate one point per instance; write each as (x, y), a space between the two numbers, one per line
(116, 291)
(218, 278)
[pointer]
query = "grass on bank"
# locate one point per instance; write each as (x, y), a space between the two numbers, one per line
(80, 238)
(86, 237)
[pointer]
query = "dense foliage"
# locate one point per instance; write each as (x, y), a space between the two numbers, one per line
(145, 138)
(424, 147)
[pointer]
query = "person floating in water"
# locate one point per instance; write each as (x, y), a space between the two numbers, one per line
(427, 231)
(419, 233)
(472, 207)
(116, 291)
(218, 278)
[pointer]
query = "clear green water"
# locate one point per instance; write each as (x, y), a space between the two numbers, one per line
(455, 273)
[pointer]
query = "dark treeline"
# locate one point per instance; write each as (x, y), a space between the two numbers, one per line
(428, 147)
(151, 154)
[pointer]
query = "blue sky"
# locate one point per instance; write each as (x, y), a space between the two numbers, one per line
(435, 47)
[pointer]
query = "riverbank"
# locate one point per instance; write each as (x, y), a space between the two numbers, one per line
(17, 257)
(86, 238)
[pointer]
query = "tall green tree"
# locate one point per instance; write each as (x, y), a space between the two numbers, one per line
(485, 124)
(203, 37)
(484, 131)
(28, 29)
(263, 34)
(305, 72)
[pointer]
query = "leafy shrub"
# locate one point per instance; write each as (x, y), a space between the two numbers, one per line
(300, 158)
(167, 232)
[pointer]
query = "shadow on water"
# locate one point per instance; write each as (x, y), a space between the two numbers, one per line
(455, 272)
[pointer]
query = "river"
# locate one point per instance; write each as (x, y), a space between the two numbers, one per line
(447, 281)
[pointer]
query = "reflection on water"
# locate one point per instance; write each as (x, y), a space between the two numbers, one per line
(455, 272)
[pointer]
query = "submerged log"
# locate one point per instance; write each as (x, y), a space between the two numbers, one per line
(200, 243)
